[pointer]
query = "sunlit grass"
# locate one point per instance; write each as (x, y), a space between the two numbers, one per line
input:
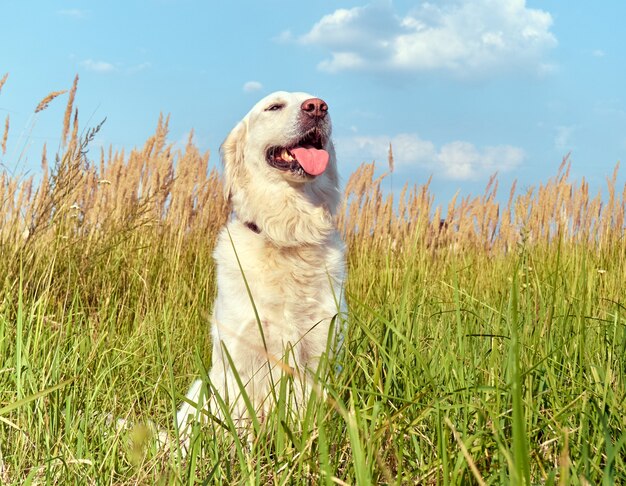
(511, 364)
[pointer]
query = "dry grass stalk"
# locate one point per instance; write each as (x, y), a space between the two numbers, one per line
(556, 209)
(5, 135)
(68, 111)
(43, 104)
(176, 191)
(175, 194)
(3, 80)
(74, 142)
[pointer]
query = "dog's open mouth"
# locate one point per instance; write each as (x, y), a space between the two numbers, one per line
(307, 156)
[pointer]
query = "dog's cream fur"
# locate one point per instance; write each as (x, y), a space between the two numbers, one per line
(294, 266)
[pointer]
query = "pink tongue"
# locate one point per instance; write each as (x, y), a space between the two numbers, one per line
(312, 160)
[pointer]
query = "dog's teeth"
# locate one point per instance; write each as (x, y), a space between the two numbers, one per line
(285, 155)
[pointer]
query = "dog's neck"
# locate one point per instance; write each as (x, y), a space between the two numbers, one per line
(287, 216)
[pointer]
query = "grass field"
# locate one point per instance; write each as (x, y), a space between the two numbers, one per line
(488, 349)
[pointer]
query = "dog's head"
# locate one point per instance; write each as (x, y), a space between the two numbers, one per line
(281, 156)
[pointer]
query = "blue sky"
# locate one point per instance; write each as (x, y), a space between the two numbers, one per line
(461, 88)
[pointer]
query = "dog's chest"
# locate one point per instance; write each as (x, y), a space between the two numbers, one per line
(285, 284)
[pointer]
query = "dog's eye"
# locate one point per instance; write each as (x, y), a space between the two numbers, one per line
(275, 107)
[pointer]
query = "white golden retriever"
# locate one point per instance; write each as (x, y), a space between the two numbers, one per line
(280, 261)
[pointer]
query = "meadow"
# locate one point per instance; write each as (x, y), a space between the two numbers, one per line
(484, 348)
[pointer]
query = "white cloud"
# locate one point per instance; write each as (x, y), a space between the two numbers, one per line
(74, 13)
(139, 67)
(97, 66)
(455, 160)
(562, 140)
(252, 86)
(465, 37)
(462, 160)
(284, 36)
(104, 67)
(408, 149)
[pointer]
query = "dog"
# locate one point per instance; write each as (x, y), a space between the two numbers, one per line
(280, 262)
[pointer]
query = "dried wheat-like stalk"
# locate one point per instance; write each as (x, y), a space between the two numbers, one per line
(74, 137)
(43, 104)
(5, 136)
(174, 194)
(3, 80)
(68, 111)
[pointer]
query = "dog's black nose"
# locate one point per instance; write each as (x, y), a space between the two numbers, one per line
(314, 107)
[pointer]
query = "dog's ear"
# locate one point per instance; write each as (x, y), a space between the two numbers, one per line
(232, 150)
